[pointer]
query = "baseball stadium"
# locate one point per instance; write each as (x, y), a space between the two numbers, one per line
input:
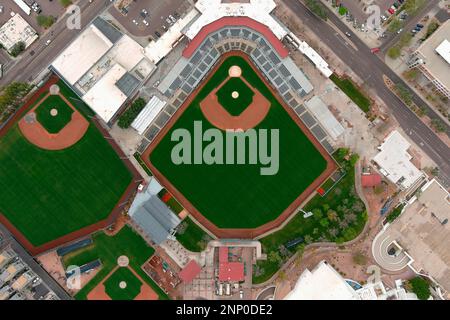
(235, 74)
(62, 175)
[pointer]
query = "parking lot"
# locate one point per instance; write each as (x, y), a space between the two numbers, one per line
(144, 18)
(49, 8)
(358, 9)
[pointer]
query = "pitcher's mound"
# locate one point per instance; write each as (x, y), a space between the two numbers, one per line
(235, 71)
(54, 112)
(123, 261)
(54, 89)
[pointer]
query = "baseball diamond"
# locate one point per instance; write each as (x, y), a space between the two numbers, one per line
(236, 200)
(72, 176)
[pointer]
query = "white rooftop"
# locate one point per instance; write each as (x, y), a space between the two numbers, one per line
(15, 30)
(213, 10)
(444, 50)
(105, 98)
(322, 283)
(320, 110)
(395, 161)
(82, 54)
(148, 114)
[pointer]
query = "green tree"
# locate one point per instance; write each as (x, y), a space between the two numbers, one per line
(12, 95)
(127, 118)
(45, 21)
(65, 3)
(17, 49)
(324, 222)
(317, 8)
(420, 287)
(274, 257)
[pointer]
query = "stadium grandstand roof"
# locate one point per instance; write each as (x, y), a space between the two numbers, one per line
(148, 114)
(206, 29)
(155, 219)
(320, 110)
(258, 10)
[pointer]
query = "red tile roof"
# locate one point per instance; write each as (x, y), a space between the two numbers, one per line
(223, 254)
(235, 21)
(189, 272)
(370, 180)
(231, 271)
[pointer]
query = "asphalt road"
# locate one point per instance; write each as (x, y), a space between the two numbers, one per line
(371, 69)
(39, 56)
(410, 24)
(37, 269)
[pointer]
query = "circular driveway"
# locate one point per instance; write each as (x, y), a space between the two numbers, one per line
(380, 251)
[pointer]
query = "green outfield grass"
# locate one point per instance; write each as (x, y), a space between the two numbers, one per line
(54, 124)
(108, 249)
(113, 289)
(238, 196)
(48, 194)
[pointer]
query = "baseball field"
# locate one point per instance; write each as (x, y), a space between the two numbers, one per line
(237, 196)
(46, 194)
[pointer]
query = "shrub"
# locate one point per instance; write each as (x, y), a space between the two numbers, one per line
(45, 21)
(394, 213)
(17, 49)
(420, 287)
(65, 3)
(131, 113)
(317, 8)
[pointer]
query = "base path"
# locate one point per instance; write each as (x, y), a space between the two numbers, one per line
(99, 292)
(34, 132)
(218, 116)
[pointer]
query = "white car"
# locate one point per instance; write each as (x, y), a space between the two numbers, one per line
(172, 18)
(48, 42)
(1, 9)
(145, 22)
(135, 22)
(399, 30)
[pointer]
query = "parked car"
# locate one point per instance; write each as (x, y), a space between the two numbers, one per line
(157, 34)
(399, 30)
(172, 18)
(145, 22)
(348, 34)
(391, 11)
(419, 25)
(375, 50)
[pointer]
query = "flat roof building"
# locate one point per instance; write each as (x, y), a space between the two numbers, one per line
(423, 231)
(432, 58)
(322, 283)
(17, 30)
(104, 67)
(395, 161)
